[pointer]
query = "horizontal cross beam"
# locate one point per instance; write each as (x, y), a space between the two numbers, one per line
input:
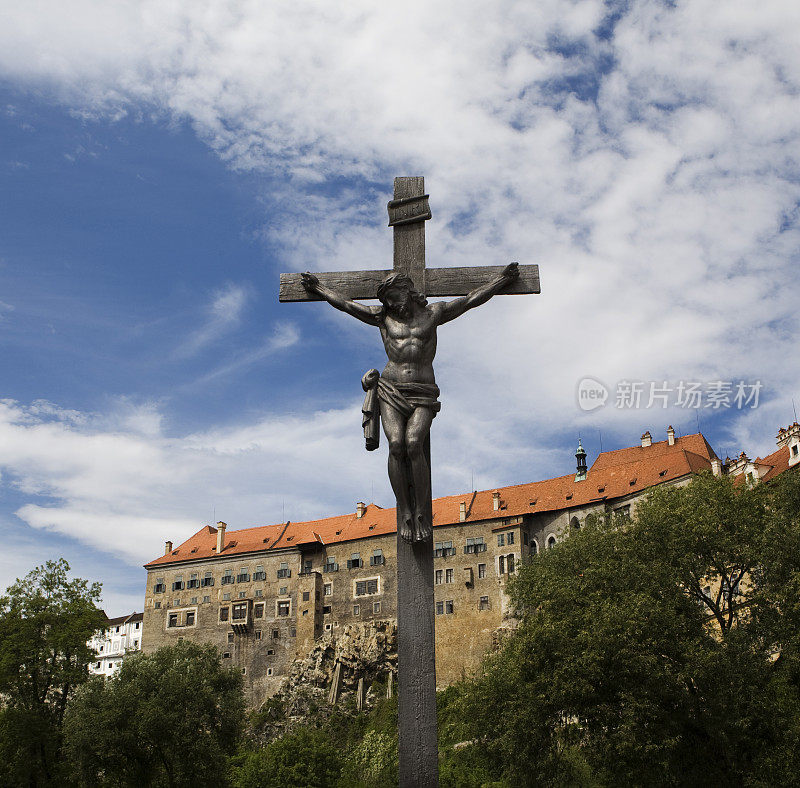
(439, 282)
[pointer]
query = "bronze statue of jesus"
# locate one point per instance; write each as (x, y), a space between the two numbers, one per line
(405, 392)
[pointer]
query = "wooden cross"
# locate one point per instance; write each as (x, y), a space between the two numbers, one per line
(408, 212)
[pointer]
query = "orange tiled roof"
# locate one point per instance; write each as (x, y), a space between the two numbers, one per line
(614, 474)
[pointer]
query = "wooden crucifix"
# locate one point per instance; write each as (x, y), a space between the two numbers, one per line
(404, 398)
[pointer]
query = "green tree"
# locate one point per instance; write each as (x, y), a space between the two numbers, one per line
(171, 718)
(653, 651)
(46, 621)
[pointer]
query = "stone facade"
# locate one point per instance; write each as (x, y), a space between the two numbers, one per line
(268, 597)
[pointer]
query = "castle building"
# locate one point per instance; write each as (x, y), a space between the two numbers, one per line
(267, 595)
(120, 636)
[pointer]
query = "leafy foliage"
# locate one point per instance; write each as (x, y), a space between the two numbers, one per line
(45, 623)
(658, 651)
(169, 718)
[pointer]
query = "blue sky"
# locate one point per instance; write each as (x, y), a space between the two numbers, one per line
(160, 165)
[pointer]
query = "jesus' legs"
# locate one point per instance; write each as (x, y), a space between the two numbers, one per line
(417, 430)
(394, 426)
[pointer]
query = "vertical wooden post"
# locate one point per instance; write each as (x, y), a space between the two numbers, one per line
(416, 660)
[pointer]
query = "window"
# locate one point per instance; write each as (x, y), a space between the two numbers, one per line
(176, 602)
(376, 607)
(97, 665)
(206, 599)
(534, 547)
(481, 571)
(227, 576)
(440, 608)
(259, 574)
(259, 592)
(483, 603)
(136, 644)
(795, 450)
(173, 620)
(258, 610)
(284, 590)
(137, 625)
(284, 571)
(258, 634)
(230, 637)
(624, 511)
(190, 618)
(326, 609)
(193, 600)
(356, 610)
(226, 654)
(307, 567)
(443, 549)
(327, 589)
(292, 632)
(117, 629)
(269, 671)
(448, 575)
(377, 558)
(239, 611)
(208, 579)
(330, 564)
(194, 580)
(501, 565)
(157, 604)
(244, 575)
(355, 561)
(226, 597)
(270, 652)
(510, 563)
(475, 544)
(501, 540)
(439, 577)
(242, 594)
(448, 606)
(551, 541)
(510, 537)
(283, 607)
(275, 634)
(367, 587)
(223, 614)
(177, 584)
(306, 596)
(160, 587)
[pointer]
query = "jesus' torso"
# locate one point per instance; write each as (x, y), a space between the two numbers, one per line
(410, 344)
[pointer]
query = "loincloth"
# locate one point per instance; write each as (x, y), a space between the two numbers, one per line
(403, 397)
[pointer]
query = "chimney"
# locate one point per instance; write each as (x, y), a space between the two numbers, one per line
(580, 457)
(716, 466)
(647, 440)
(361, 507)
(462, 511)
(670, 435)
(167, 547)
(220, 536)
(496, 500)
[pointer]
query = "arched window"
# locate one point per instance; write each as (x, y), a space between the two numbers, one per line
(534, 547)
(574, 524)
(551, 541)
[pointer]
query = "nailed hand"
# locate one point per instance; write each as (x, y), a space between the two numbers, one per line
(511, 271)
(310, 282)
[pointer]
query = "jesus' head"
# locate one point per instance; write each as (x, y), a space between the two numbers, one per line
(397, 293)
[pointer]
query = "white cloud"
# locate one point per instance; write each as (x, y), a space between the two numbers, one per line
(222, 314)
(652, 172)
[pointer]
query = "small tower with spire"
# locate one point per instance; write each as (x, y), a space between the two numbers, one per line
(580, 456)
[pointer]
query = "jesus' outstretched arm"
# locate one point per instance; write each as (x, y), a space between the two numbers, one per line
(449, 310)
(366, 314)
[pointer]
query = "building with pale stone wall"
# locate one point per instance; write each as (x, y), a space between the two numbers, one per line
(119, 636)
(266, 595)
